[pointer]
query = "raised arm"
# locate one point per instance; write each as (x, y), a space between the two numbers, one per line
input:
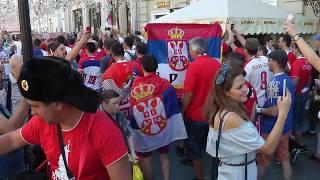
(75, 51)
(305, 49)
(230, 34)
(239, 37)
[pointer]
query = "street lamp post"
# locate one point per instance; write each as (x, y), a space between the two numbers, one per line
(25, 29)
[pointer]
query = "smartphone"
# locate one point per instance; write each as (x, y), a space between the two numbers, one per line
(284, 88)
(232, 26)
(88, 29)
(290, 17)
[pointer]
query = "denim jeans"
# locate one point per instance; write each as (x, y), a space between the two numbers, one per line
(299, 110)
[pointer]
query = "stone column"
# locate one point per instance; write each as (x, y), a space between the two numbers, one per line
(123, 23)
(85, 14)
(133, 11)
(142, 18)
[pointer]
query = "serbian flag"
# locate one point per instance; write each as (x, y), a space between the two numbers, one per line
(108, 22)
(169, 43)
(119, 77)
(156, 119)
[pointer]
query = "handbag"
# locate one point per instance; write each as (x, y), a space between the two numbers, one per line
(61, 145)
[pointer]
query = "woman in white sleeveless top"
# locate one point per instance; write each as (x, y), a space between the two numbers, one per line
(240, 140)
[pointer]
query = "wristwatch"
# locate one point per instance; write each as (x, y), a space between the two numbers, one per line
(258, 109)
(296, 37)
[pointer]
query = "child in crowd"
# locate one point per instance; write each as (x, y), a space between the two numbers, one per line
(111, 106)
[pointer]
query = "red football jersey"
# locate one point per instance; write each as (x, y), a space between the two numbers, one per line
(291, 59)
(301, 69)
(122, 71)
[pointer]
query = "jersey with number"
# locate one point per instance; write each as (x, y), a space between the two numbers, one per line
(90, 67)
(275, 89)
(258, 75)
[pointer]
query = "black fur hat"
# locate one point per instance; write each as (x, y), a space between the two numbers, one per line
(52, 79)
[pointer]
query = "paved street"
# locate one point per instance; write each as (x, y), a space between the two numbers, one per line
(303, 168)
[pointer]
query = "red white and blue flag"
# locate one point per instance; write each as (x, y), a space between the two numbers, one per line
(155, 114)
(169, 43)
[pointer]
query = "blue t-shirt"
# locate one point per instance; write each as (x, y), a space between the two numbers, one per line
(274, 90)
(37, 52)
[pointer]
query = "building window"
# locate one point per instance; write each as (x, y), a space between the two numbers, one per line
(157, 14)
(78, 20)
(95, 17)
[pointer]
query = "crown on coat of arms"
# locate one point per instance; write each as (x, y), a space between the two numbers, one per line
(176, 33)
(142, 91)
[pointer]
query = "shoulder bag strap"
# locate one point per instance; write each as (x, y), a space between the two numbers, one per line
(60, 138)
(246, 168)
(218, 141)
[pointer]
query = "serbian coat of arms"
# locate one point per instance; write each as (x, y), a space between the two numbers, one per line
(177, 49)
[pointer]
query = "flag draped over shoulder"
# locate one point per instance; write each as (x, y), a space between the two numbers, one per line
(119, 77)
(155, 114)
(169, 43)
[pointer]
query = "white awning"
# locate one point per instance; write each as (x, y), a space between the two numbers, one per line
(249, 16)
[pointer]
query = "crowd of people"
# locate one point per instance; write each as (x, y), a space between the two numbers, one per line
(98, 106)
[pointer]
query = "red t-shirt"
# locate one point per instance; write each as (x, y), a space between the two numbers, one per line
(291, 59)
(101, 54)
(44, 46)
(241, 51)
(83, 53)
(198, 81)
(301, 69)
(91, 146)
(251, 100)
(138, 60)
(122, 71)
(98, 55)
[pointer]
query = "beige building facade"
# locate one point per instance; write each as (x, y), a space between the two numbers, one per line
(298, 7)
(131, 15)
(153, 9)
(127, 15)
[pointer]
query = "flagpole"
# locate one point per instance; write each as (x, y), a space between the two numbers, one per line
(25, 29)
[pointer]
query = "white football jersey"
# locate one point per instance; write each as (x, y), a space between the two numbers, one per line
(258, 75)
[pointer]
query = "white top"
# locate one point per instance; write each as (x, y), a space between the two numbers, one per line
(18, 45)
(127, 56)
(234, 144)
(258, 75)
(44, 53)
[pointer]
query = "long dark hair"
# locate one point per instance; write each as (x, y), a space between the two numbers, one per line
(218, 100)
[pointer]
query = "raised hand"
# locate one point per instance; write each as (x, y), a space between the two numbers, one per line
(290, 28)
(284, 103)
